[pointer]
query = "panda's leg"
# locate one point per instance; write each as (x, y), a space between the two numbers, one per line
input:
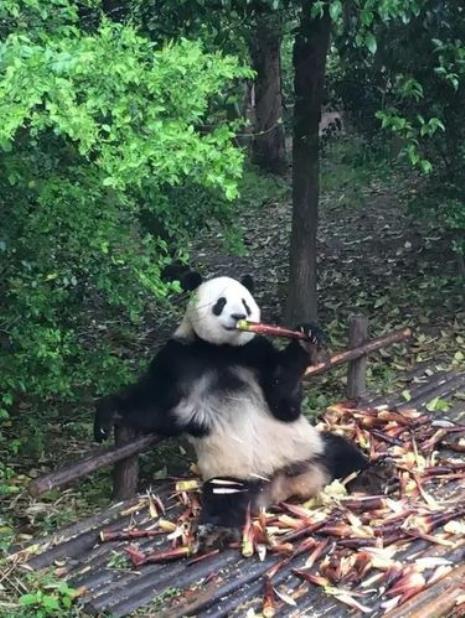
(227, 501)
(226, 504)
(285, 484)
(305, 480)
(342, 458)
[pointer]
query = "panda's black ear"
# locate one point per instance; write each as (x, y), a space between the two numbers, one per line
(248, 283)
(174, 272)
(191, 280)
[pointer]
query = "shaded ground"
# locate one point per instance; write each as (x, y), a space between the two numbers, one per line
(373, 258)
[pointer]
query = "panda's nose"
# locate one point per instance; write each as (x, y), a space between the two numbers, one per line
(238, 316)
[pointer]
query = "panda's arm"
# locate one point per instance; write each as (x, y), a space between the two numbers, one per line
(148, 405)
(281, 373)
(282, 384)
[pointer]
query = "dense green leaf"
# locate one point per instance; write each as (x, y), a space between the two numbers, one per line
(335, 9)
(370, 42)
(113, 147)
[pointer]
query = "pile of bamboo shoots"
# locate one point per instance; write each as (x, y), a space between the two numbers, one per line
(352, 543)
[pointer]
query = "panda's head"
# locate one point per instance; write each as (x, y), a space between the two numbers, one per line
(215, 308)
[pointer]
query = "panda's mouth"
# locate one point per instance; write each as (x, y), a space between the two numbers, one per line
(230, 328)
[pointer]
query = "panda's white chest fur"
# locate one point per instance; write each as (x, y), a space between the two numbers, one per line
(244, 439)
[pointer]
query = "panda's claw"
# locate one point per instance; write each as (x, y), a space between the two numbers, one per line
(101, 434)
(105, 416)
(313, 333)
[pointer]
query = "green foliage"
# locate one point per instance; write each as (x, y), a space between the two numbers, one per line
(411, 131)
(164, 20)
(348, 165)
(48, 599)
(257, 189)
(118, 561)
(97, 128)
(162, 599)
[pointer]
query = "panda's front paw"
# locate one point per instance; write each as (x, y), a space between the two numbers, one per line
(313, 334)
(105, 416)
(314, 343)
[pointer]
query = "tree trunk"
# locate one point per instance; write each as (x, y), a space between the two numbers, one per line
(309, 58)
(268, 149)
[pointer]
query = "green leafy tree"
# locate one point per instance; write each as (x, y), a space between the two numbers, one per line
(97, 128)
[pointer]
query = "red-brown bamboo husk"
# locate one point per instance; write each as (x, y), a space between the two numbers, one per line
(202, 557)
(439, 519)
(277, 566)
(436, 438)
(393, 526)
(448, 468)
(338, 530)
(248, 536)
(368, 503)
(358, 542)
(298, 510)
(138, 558)
(386, 438)
(409, 582)
(298, 534)
(269, 601)
(318, 580)
(417, 534)
(282, 548)
(316, 553)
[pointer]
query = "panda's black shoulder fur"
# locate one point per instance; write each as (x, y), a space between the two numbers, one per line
(148, 405)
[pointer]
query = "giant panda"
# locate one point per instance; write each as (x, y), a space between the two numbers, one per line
(237, 398)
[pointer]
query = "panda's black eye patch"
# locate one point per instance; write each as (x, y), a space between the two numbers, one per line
(247, 308)
(219, 305)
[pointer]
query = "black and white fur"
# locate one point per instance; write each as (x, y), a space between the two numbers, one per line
(238, 399)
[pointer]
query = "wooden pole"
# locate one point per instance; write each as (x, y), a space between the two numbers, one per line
(97, 459)
(126, 471)
(356, 372)
(373, 345)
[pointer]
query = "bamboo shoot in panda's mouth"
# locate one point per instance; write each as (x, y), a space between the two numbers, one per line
(269, 329)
